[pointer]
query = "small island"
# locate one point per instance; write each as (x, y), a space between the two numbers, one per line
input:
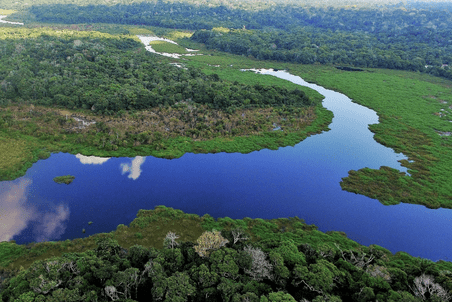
(66, 179)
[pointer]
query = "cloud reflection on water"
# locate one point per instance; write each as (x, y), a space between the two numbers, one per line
(16, 214)
(51, 225)
(91, 160)
(134, 169)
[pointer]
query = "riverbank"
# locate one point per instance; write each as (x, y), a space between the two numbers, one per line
(387, 272)
(4, 15)
(47, 131)
(414, 109)
(415, 113)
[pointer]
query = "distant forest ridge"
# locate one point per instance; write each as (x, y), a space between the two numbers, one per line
(243, 4)
(393, 37)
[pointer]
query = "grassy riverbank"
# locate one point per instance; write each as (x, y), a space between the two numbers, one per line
(163, 46)
(414, 111)
(29, 141)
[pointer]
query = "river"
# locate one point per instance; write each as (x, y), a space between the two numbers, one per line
(3, 21)
(298, 181)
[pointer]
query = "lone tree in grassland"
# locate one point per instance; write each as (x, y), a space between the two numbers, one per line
(208, 242)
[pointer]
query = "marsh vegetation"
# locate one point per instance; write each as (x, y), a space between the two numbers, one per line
(65, 179)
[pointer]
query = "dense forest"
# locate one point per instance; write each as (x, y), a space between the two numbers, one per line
(251, 260)
(242, 4)
(308, 45)
(107, 74)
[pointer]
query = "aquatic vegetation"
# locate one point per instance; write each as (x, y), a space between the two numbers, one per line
(66, 179)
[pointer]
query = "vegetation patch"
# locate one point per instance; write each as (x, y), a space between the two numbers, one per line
(66, 179)
(6, 11)
(164, 46)
(13, 153)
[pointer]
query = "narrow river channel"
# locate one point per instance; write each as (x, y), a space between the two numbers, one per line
(298, 181)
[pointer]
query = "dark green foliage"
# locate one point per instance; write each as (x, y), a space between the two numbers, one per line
(314, 44)
(179, 274)
(173, 260)
(395, 38)
(138, 256)
(107, 74)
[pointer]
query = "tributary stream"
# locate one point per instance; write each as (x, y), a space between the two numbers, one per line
(298, 181)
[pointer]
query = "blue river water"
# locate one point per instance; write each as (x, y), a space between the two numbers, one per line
(298, 181)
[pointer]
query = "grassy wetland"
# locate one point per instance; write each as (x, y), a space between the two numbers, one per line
(415, 113)
(164, 46)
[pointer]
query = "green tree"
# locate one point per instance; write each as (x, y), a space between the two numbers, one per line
(173, 260)
(280, 273)
(279, 297)
(223, 263)
(203, 277)
(179, 288)
(318, 277)
(138, 256)
(228, 288)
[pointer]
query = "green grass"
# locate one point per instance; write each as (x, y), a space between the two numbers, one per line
(163, 46)
(134, 30)
(13, 152)
(18, 153)
(6, 11)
